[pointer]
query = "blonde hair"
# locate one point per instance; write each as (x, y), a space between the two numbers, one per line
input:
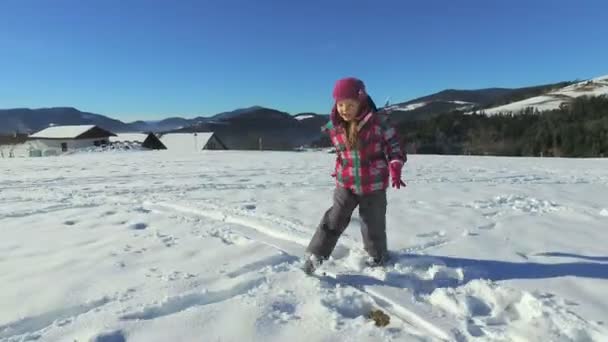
(352, 134)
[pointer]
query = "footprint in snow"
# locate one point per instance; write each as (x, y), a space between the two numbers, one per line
(138, 226)
(474, 329)
(488, 226)
(114, 336)
(142, 210)
(279, 312)
(491, 214)
(348, 303)
(167, 240)
(433, 234)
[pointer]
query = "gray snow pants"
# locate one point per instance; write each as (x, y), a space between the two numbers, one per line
(372, 210)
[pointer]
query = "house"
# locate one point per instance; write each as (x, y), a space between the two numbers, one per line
(192, 141)
(60, 139)
(149, 141)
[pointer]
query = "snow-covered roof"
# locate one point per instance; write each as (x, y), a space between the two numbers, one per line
(185, 141)
(65, 132)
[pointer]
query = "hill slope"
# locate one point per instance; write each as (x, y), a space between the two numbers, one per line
(26, 120)
(556, 98)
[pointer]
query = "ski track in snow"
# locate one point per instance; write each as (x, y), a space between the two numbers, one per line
(288, 242)
(58, 317)
(180, 303)
(481, 309)
(442, 276)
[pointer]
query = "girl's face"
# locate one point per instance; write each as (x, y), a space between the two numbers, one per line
(348, 109)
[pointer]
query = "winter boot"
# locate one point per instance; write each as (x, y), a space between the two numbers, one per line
(377, 262)
(311, 264)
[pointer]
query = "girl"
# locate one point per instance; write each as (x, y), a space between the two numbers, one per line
(367, 151)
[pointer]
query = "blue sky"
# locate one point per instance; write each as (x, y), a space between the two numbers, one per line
(150, 59)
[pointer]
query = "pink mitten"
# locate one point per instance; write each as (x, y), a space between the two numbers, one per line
(395, 171)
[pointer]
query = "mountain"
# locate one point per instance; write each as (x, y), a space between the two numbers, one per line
(311, 121)
(244, 128)
(176, 123)
(161, 125)
(553, 99)
(568, 119)
(234, 113)
(240, 129)
(465, 100)
(25, 120)
(480, 96)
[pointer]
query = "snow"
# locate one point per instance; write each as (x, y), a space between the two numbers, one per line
(159, 246)
(414, 106)
(17, 150)
(185, 142)
(125, 141)
(304, 117)
(603, 79)
(553, 100)
(129, 137)
(409, 107)
(57, 132)
(461, 102)
(541, 103)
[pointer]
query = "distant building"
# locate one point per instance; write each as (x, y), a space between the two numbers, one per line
(192, 141)
(60, 139)
(149, 141)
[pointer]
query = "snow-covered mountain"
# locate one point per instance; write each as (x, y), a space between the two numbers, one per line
(492, 101)
(458, 105)
(554, 99)
(464, 100)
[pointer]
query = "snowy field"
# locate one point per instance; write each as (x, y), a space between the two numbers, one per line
(152, 246)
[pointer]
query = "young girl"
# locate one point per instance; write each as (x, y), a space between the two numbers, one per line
(367, 151)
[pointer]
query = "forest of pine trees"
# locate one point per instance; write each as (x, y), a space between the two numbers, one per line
(577, 130)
